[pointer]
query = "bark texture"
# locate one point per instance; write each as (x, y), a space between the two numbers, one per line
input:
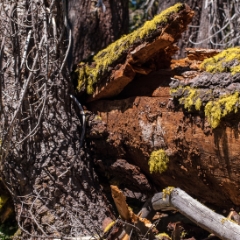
(93, 29)
(53, 184)
(144, 118)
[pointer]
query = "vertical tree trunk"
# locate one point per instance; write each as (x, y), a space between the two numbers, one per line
(52, 181)
(203, 28)
(92, 28)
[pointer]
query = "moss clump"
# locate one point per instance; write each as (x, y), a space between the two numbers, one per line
(167, 191)
(226, 61)
(189, 100)
(190, 97)
(216, 110)
(88, 76)
(158, 161)
(198, 104)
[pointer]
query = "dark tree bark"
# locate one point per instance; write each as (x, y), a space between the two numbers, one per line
(52, 181)
(92, 28)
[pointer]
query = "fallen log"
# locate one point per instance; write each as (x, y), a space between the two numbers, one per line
(194, 119)
(116, 66)
(191, 120)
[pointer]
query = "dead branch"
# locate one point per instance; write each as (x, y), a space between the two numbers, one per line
(175, 198)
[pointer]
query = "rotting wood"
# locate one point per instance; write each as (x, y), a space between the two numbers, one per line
(201, 53)
(126, 57)
(206, 156)
(120, 202)
(141, 54)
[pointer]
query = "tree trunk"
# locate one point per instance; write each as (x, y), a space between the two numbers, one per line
(93, 29)
(52, 181)
(203, 28)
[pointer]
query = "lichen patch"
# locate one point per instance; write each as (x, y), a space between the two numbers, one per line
(226, 61)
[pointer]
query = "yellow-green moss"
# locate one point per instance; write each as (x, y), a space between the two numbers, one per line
(222, 62)
(215, 110)
(167, 191)
(223, 220)
(158, 161)
(3, 200)
(88, 76)
(162, 236)
(198, 104)
(190, 98)
(173, 90)
(97, 117)
(183, 234)
(188, 101)
(235, 69)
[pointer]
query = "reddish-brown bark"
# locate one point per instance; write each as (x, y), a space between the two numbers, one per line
(203, 162)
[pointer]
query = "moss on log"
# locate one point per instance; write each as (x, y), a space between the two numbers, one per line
(122, 59)
(226, 61)
(214, 92)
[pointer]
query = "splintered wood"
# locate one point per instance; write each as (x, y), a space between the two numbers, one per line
(120, 201)
(127, 215)
(140, 55)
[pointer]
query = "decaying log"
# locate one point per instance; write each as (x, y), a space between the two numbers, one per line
(201, 215)
(147, 116)
(201, 53)
(114, 67)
